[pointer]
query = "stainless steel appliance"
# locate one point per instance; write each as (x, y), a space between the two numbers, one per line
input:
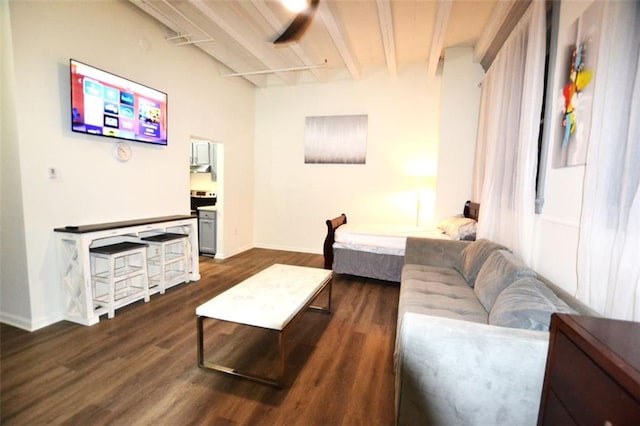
(201, 199)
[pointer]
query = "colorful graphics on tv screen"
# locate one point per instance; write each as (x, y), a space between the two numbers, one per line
(108, 105)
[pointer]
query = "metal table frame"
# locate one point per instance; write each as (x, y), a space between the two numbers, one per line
(278, 379)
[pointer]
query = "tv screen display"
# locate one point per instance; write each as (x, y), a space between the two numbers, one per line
(108, 105)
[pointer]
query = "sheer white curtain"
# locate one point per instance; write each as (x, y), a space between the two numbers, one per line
(506, 153)
(609, 242)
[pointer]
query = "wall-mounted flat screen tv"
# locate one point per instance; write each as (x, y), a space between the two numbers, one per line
(108, 105)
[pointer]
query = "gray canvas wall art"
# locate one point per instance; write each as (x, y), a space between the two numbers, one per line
(336, 139)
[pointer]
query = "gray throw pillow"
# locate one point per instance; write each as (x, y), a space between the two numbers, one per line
(474, 256)
(527, 304)
(500, 270)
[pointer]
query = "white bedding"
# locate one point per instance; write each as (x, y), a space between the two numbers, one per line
(383, 239)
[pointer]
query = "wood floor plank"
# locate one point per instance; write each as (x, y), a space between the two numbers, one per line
(140, 367)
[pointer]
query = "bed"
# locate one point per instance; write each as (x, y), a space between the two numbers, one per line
(377, 251)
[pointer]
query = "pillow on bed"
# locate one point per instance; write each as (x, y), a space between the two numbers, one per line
(459, 228)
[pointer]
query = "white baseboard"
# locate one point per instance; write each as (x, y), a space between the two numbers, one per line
(224, 255)
(28, 324)
(286, 248)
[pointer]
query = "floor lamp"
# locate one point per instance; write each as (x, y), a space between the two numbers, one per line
(420, 184)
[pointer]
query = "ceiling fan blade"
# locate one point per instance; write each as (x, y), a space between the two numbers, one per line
(299, 24)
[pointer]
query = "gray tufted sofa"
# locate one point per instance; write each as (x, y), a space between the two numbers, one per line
(472, 337)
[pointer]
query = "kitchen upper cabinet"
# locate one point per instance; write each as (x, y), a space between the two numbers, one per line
(200, 153)
(203, 158)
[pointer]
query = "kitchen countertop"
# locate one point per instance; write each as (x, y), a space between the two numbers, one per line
(209, 208)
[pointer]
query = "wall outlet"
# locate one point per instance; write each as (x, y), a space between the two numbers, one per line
(52, 172)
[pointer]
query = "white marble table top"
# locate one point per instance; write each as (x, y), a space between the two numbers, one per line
(269, 299)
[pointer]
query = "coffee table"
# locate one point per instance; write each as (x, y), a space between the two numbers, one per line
(274, 298)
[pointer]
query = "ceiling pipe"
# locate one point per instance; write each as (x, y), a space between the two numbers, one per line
(304, 68)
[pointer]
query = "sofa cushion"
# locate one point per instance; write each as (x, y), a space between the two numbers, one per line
(439, 292)
(527, 303)
(473, 257)
(500, 270)
(432, 273)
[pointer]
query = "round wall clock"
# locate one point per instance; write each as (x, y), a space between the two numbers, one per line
(122, 152)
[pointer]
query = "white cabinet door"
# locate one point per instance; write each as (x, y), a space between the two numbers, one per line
(200, 153)
(207, 232)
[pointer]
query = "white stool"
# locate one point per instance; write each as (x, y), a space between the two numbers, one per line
(167, 257)
(118, 275)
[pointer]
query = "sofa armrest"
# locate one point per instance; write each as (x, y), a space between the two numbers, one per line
(457, 372)
(433, 251)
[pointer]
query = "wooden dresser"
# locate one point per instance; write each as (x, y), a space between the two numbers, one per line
(593, 372)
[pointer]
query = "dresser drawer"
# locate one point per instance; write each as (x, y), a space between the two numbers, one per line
(587, 392)
(556, 413)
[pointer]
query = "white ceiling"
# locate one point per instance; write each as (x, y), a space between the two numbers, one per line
(352, 36)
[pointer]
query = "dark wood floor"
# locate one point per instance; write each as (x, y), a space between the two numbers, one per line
(140, 367)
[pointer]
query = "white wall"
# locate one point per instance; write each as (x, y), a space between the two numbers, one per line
(558, 226)
(14, 298)
(293, 199)
(92, 186)
(458, 126)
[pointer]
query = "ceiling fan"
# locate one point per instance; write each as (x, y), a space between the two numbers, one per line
(299, 24)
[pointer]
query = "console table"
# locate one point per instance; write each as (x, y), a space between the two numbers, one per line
(73, 244)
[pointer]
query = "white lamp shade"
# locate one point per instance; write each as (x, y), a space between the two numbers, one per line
(295, 6)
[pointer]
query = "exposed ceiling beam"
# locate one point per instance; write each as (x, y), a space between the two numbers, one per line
(249, 42)
(339, 40)
(498, 16)
(181, 15)
(386, 30)
(243, 30)
(440, 23)
(170, 23)
(153, 11)
(297, 48)
(506, 25)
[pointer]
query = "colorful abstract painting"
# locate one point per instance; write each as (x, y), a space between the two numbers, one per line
(572, 141)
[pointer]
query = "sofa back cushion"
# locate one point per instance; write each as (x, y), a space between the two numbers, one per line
(500, 270)
(473, 257)
(528, 304)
